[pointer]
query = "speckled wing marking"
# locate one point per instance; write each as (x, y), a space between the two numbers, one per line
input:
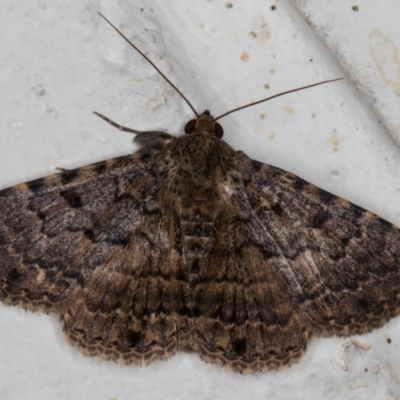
(289, 261)
(245, 317)
(341, 262)
(90, 245)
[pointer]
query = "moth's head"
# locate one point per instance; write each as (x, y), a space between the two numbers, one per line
(204, 123)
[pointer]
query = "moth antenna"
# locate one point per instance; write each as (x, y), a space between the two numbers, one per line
(151, 62)
(275, 95)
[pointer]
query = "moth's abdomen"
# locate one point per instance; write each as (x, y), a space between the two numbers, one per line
(197, 231)
(200, 164)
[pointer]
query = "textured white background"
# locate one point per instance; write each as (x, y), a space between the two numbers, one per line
(60, 61)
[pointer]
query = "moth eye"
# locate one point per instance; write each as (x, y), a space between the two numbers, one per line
(189, 127)
(219, 131)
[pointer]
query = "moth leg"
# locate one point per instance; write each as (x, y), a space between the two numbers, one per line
(61, 169)
(114, 124)
(149, 139)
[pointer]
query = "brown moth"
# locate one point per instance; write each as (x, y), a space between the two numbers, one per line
(190, 245)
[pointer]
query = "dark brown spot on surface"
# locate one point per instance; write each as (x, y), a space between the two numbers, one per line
(244, 57)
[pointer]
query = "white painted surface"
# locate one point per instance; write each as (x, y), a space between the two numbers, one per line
(365, 39)
(59, 62)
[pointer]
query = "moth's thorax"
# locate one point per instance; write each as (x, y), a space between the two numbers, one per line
(200, 164)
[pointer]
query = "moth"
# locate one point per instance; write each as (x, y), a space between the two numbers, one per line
(190, 245)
